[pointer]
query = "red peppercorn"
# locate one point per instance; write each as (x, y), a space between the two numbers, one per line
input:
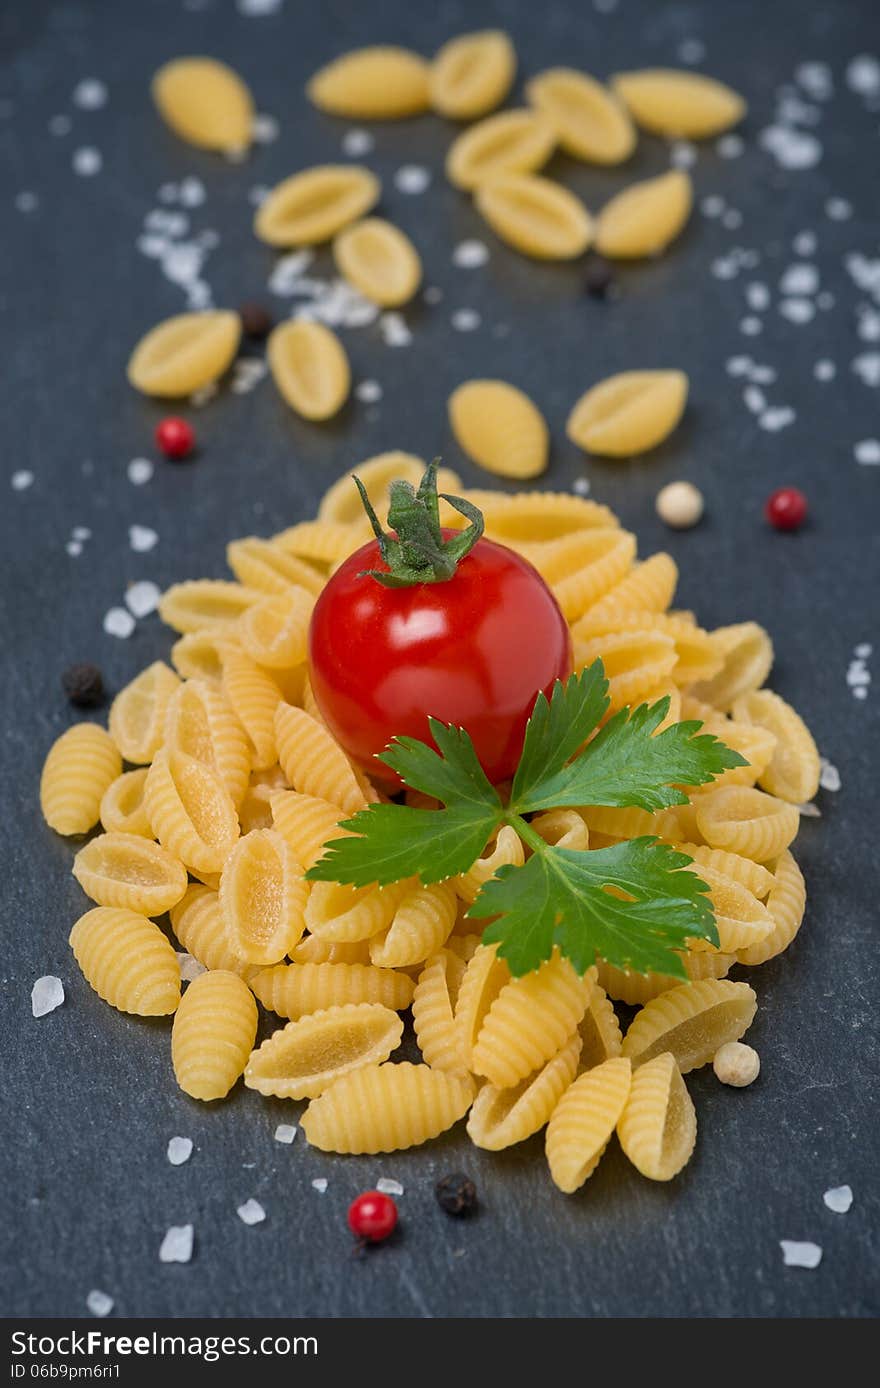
(372, 1216)
(175, 437)
(786, 509)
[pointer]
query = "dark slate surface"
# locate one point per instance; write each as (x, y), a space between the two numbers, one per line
(90, 1101)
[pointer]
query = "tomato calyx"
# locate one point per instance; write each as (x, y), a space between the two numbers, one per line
(415, 549)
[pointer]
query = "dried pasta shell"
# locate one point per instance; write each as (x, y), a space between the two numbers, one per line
(341, 503)
(564, 828)
(302, 1059)
(637, 989)
(184, 353)
(472, 74)
(383, 1108)
(658, 1127)
(754, 743)
(137, 714)
(433, 1009)
(500, 428)
(376, 83)
(200, 722)
(421, 924)
(323, 542)
(131, 872)
(793, 770)
(310, 207)
(693, 1021)
(507, 848)
(310, 368)
(191, 811)
(464, 947)
(513, 142)
(786, 906)
(599, 1030)
(313, 950)
(589, 121)
(747, 653)
(255, 810)
(500, 1118)
(634, 661)
(205, 103)
(629, 413)
(740, 917)
(644, 218)
(755, 878)
(529, 1021)
(536, 216)
(380, 261)
(206, 605)
(683, 105)
(537, 517)
(274, 632)
(122, 805)
(648, 587)
(342, 914)
(266, 565)
(696, 653)
(484, 978)
(313, 762)
(127, 960)
(200, 929)
(199, 655)
(293, 990)
(253, 697)
(583, 1121)
(619, 823)
(213, 1034)
(307, 822)
(82, 764)
(263, 897)
(747, 821)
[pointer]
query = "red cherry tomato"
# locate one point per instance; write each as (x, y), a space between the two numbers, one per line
(474, 651)
(372, 1216)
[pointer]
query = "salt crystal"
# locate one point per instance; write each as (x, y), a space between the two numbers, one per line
(867, 367)
(26, 201)
(139, 470)
(816, 80)
(864, 651)
(824, 370)
(797, 310)
(118, 622)
(838, 209)
(762, 375)
(81, 532)
(800, 1255)
(724, 268)
(265, 129)
(258, 194)
(792, 149)
(177, 1245)
(99, 1303)
(809, 811)
(74, 548)
(730, 146)
(320, 1184)
(691, 50)
(142, 538)
(389, 1187)
(860, 693)
(738, 366)
(800, 279)
(839, 1199)
(869, 325)
(285, 1132)
(412, 178)
(87, 161)
(368, 392)
(46, 994)
(776, 418)
(805, 243)
(190, 968)
(465, 320)
(256, 9)
(468, 255)
(755, 399)
(758, 297)
(142, 598)
(731, 219)
(179, 1150)
(192, 192)
(204, 394)
(751, 327)
(682, 154)
(712, 206)
(581, 486)
(247, 373)
(251, 1212)
(394, 330)
(356, 143)
(60, 125)
(90, 94)
(867, 451)
(863, 75)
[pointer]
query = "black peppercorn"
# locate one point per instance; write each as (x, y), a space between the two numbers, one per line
(84, 685)
(256, 321)
(456, 1194)
(598, 277)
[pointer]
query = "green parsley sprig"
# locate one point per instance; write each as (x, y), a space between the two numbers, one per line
(634, 904)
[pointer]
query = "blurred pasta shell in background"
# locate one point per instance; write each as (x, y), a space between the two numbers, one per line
(590, 122)
(342, 503)
(683, 105)
(184, 353)
(644, 218)
(311, 206)
(500, 428)
(310, 368)
(376, 83)
(202, 605)
(380, 261)
(628, 413)
(536, 216)
(472, 74)
(512, 142)
(205, 102)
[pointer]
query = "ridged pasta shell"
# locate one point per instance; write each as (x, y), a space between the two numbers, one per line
(755, 878)
(644, 218)
(629, 413)
(421, 924)
(536, 216)
(311, 206)
(300, 1060)
(293, 990)
(484, 978)
(658, 1127)
(634, 661)
(537, 517)
(199, 655)
(747, 821)
(648, 587)
(741, 919)
(122, 805)
(563, 828)
(191, 811)
(263, 897)
(380, 261)
(696, 655)
(513, 142)
(253, 697)
(267, 566)
(310, 368)
(313, 763)
(383, 1108)
(205, 604)
(307, 822)
(205, 103)
(323, 542)
(200, 722)
(507, 848)
(786, 906)
(137, 714)
(589, 121)
(342, 504)
(131, 872)
(793, 770)
(529, 1021)
(377, 83)
(500, 428)
(747, 653)
(683, 105)
(433, 1009)
(637, 989)
(213, 1034)
(313, 950)
(501, 1117)
(691, 1021)
(342, 914)
(583, 1121)
(274, 631)
(472, 74)
(198, 924)
(184, 353)
(599, 1030)
(81, 765)
(127, 960)
(607, 557)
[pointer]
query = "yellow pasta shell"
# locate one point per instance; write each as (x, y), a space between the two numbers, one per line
(531, 1018)
(746, 821)
(433, 1009)
(205, 103)
(313, 950)
(137, 714)
(589, 121)
(684, 105)
(293, 990)
(191, 811)
(599, 1029)
(536, 216)
(528, 518)
(82, 764)
(274, 631)
(198, 924)
(380, 261)
(200, 722)
(658, 1127)
(584, 1120)
(755, 878)
(340, 914)
(184, 353)
(263, 897)
(500, 428)
(629, 413)
(513, 142)
(122, 804)
(793, 770)
(206, 605)
(341, 503)
(634, 661)
(507, 848)
(644, 218)
(131, 872)
(323, 542)
(786, 906)
(607, 557)
(648, 587)
(266, 565)
(377, 83)
(310, 368)
(691, 1021)
(311, 206)
(253, 697)
(483, 980)
(563, 828)
(383, 1108)
(313, 762)
(421, 924)
(501, 1117)
(742, 920)
(213, 1034)
(307, 822)
(300, 1060)
(472, 74)
(127, 960)
(199, 655)
(637, 989)
(747, 654)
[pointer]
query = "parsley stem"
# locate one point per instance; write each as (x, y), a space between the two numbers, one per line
(525, 831)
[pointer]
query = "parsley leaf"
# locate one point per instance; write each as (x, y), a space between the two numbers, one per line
(558, 727)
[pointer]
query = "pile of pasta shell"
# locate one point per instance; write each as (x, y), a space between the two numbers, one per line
(217, 786)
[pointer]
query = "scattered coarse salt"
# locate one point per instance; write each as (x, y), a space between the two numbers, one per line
(99, 1303)
(368, 392)
(394, 330)
(867, 452)
(258, 194)
(691, 50)
(809, 811)
(581, 486)
(285, 1132)
(863, 75)
(140, 470)
(87, 161)
(863, 651)
(738, 366)
(867, 367)
(412, 178)
(142, 598)
(800, 1255)
(805, 243)
(776, 418)
(433, 294)
(800, 279)
(816, 80)
(356, 143)
(191, 191)
(754, 399)
(81, 533)
(387, 1186)
(762, 375)
(265, 129)
(204, 395)
(712, 205)
(46, 994)
(730, 146)
(118, 622)
(758, 297)
(792, 149)
(251, 1212)
(90, 94)
(839, 1199)
(256, 9)
(247, 372)
(60, 125)
(465, 320)
(21, 480)
(320, 1184)
(26, 201)
(468, 255)
(189, 968)
(838, 209)
(829, 776)
(732, 219)
(142, 539)
(179, 1150)
(682, 154)
(798, 310)
(177, 1245)
(751, 327)
(74, 548)
(824, 370)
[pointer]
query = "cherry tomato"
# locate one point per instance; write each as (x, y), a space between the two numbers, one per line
(473, 650)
